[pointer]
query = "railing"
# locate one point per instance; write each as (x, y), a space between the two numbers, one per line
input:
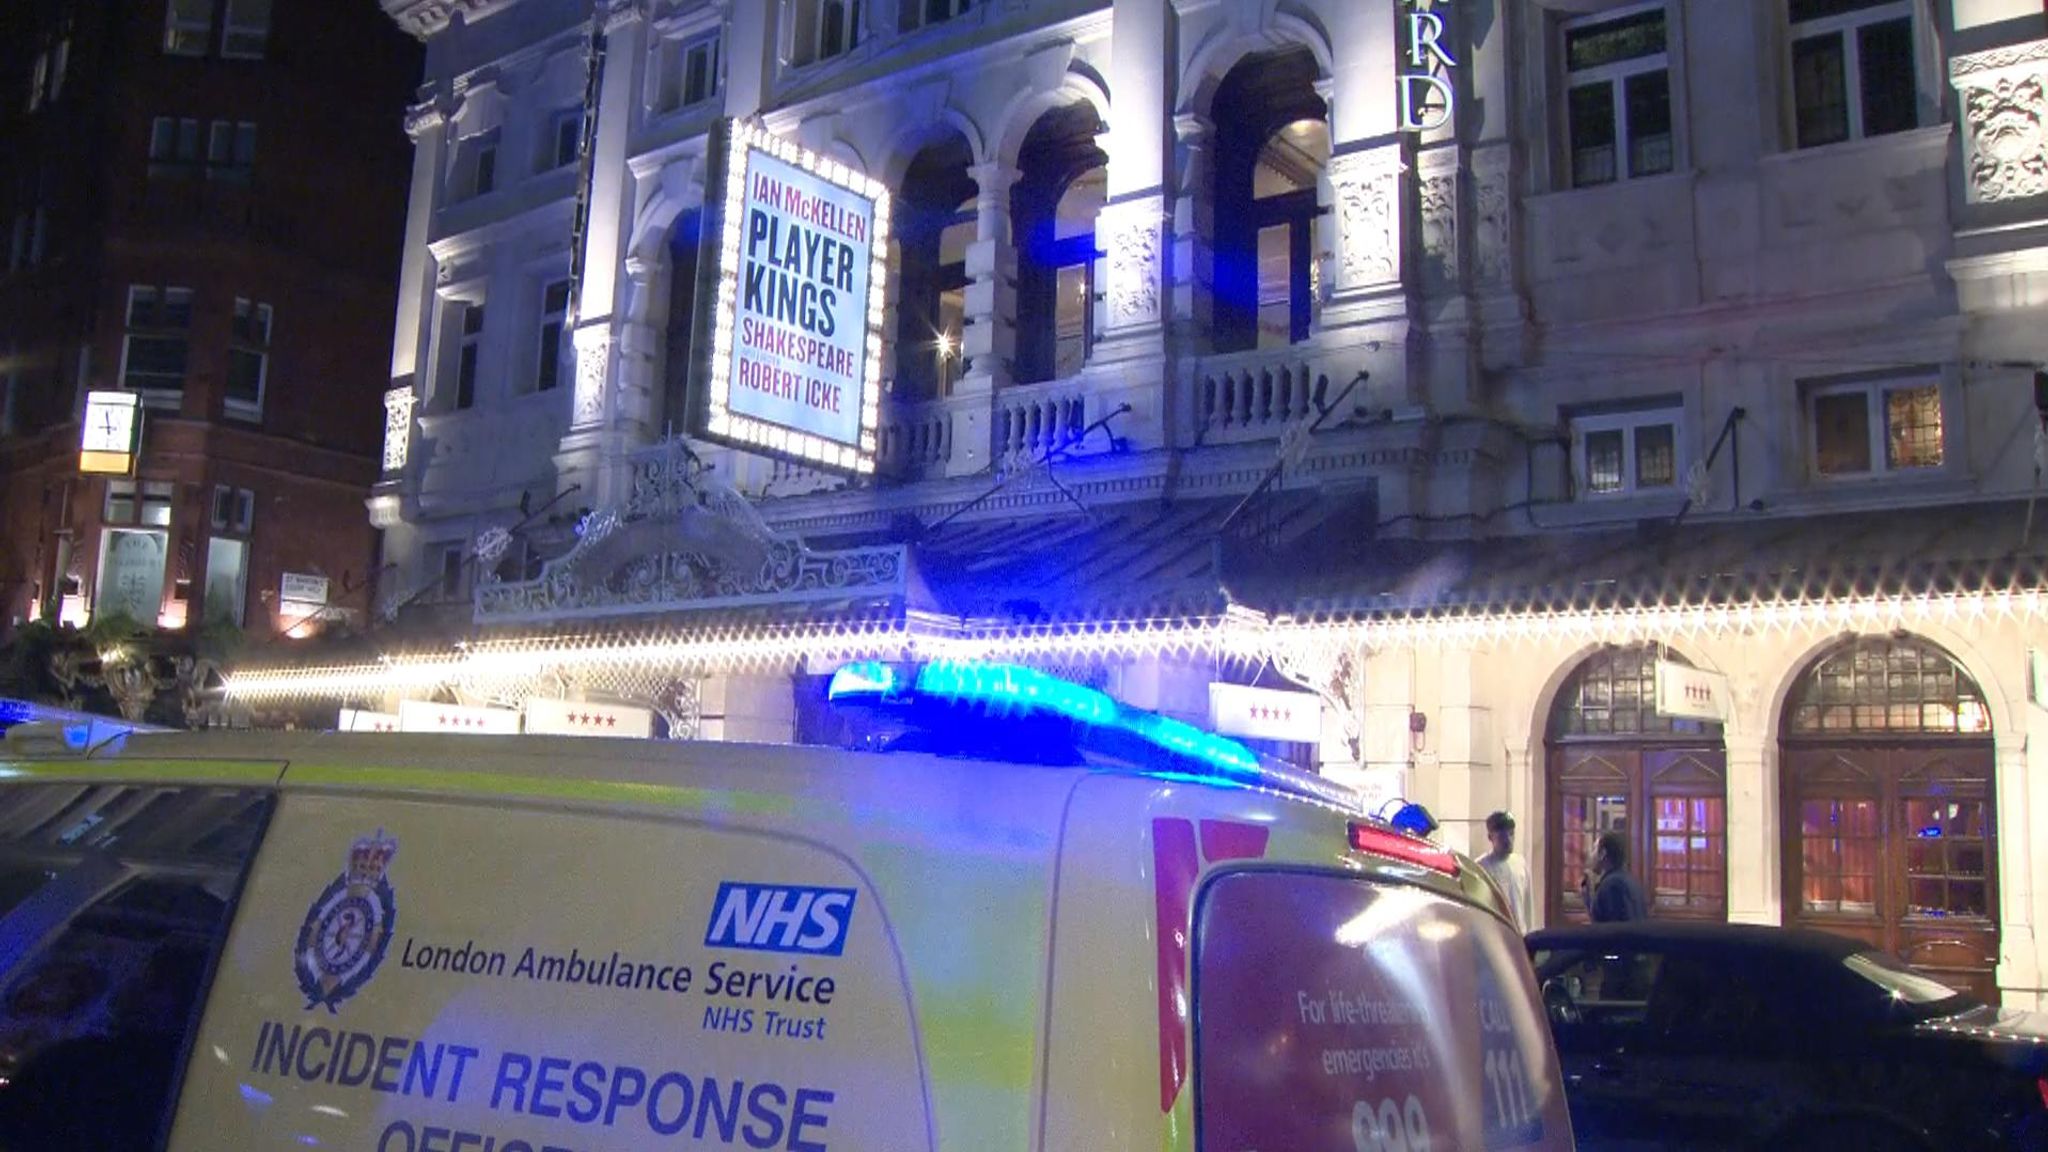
(1033, 420)
(917, 440)
(1256, 395)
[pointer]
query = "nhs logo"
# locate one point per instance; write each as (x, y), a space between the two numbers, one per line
(780, 918)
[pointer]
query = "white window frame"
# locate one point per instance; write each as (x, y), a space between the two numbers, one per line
(259, 312)
(254, 37)
(163, 398)
(806, 55)
(559, 320)
(230, 150)
(1616, 76)
(1845, 25)
(466, 341)
(1874, 392)
(562, 120)
(671, 72)
(173, 27)
(1628, 424)
(233, 511)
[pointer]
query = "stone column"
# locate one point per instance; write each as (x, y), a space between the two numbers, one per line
(590, 452)
(989, 341)
(1460, 737)
(1754, 867)
(1194, 233)
(2020, 789)
(638, 350)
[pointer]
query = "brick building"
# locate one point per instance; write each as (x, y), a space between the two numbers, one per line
(203, 204)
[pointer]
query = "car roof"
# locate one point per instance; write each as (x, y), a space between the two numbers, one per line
(1682, 933)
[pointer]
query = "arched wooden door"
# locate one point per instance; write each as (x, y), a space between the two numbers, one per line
(1614, 764)
(1889, 807)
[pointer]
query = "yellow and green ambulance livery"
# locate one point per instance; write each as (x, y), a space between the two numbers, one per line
(1122, 934)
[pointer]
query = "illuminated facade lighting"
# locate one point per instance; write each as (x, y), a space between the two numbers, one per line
(1237, 633)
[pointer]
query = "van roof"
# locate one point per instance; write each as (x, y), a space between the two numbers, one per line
(595, 760)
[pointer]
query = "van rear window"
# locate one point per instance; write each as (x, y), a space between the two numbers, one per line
(113, 902)
(1334, 1012)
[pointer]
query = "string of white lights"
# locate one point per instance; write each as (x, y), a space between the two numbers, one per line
(1237, 633)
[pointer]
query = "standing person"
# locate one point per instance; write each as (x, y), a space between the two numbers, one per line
(1611, 893)
(1508, 870)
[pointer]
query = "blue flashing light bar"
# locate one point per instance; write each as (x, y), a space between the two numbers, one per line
(1099, 721)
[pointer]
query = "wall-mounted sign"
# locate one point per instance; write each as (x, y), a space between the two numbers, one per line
(362, 720)
(303, 588)
(1265, 713)
(579, 718)
(112, 433)
(788, 331)
(420, 716)
(1426, 98)
(1685, 693)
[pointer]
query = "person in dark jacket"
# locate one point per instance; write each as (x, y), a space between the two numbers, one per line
(1611, 893)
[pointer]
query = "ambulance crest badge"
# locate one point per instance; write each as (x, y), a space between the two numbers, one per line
(349, 926)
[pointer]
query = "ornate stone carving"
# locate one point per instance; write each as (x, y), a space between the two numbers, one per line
(682, 705)
(1439, 204)
(685, 539)
(1490, 255)
(2004, 97)
(1368, 187)
(1134, 268)
(398, 406)
(593, 360)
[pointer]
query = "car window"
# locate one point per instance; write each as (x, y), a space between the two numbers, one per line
(113, 903)
(1609, 987)
(1712, 1003)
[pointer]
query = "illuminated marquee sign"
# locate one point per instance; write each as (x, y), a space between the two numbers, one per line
(112, 433)
(789, 303)
(1426, 96)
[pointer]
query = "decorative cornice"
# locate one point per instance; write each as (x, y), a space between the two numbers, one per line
(425, 18)
(1992, 60)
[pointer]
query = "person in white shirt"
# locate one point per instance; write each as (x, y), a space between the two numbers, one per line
(1509, 871)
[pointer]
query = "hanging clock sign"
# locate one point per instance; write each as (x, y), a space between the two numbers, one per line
(112, 433)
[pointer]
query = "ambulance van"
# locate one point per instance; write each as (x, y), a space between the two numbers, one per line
(1122, 934)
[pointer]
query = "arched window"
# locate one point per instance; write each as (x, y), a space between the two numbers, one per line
(1061, 187)
(1272, 146)
(1889, 809)
(1614, 693)
(934, 224)
(1887, 685)
(1617, 765)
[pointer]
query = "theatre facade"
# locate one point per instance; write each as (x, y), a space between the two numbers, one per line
(1623, 414)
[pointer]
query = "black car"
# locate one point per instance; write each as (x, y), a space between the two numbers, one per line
(1703, 1036)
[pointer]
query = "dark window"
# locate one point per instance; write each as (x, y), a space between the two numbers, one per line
(1618, 99)
(472, 347)
(158, 340)
(230, 150)
(116, 898)
(565, 137)
(248, 359)
(246, 28)
(554, 313)
(1852, 70)
(173, 146)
